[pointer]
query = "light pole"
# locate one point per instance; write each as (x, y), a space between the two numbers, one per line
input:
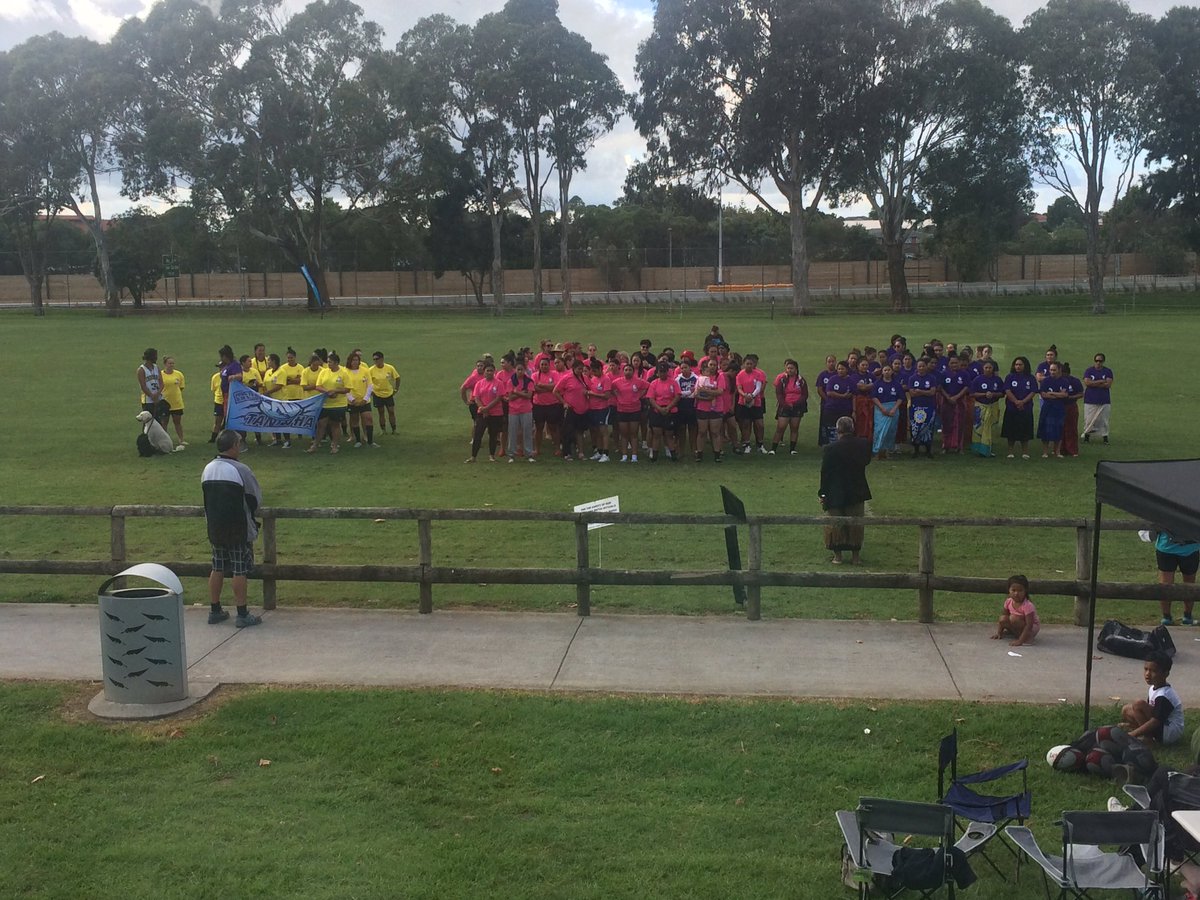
(720, 237)
(671, 264)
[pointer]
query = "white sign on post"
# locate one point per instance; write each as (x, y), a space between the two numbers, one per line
(608, 504)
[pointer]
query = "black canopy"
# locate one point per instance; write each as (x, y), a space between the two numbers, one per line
(1164, 492)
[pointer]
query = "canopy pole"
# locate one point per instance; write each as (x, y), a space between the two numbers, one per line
(1087, 688)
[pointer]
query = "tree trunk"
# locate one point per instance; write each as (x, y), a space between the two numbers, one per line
(497, 264)
(35, 293)
(799, 226)
(564, 244)
(897, 279)
(1095, 263)
(536, 222)
(112, 294)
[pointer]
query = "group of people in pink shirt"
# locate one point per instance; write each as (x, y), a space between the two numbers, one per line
(629, 405)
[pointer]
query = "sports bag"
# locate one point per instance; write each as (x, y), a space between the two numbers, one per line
(1123, 640)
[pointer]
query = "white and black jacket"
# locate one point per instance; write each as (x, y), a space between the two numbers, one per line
(231, 497)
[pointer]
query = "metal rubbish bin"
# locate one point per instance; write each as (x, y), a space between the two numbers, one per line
(142, 653)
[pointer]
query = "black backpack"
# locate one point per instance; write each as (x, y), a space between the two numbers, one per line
(144, 447)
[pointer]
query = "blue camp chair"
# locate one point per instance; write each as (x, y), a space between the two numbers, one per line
(972, 808)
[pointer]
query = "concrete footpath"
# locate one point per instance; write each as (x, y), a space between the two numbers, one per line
(618, 653)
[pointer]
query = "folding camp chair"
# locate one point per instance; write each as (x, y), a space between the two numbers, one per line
(982, 809)
(869, 833)
(1182, 792)
(1084, 867)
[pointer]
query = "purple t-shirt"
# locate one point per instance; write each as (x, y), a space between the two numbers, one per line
(887, 391)
(1074, 387)
(923, 383)
(234, 368)
(953, 382)
(860, 379)
(1098, 395)
(1050, 383)
(983, 385)
(839, 394)
(1021, 385)
(822, 380)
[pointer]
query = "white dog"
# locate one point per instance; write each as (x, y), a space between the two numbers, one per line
(158, 437)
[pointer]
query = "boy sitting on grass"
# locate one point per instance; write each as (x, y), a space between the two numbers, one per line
(1160, 716)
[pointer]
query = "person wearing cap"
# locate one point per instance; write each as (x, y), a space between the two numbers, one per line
(385, 382)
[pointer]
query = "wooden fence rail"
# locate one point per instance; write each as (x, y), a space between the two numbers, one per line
(925, 580)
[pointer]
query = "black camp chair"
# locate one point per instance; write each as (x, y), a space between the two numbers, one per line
(1181, 791)
(973, 809)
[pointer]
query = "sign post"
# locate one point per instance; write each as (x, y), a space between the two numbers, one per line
(607, 504)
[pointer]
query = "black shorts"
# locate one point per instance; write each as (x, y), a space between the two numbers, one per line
(748, 413)
(218, 410)
(388, 402)
(359, 409)
(598, 418)
(665, 422)
(158, 410)
(635, 416)
(706, 414)
(795, 411)
(686, 414)
(547, 414)
(1169, 562)
(336, 414)
(235, 560)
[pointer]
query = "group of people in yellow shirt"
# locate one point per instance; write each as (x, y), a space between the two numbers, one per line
(351, 391)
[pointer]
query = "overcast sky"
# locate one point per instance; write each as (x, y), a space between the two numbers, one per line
(614, 28)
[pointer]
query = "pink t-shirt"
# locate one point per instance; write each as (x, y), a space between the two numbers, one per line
(518, 405)
(572, 390)
(748, 382)
(545, 398)
(600, 384)
(469, 384)
(485, 392)
(664, 392)
(1025, 608)
(705, 383)
(794, 389)
(629, 393)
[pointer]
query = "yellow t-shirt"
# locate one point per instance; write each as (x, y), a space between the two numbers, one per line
(172, 389)
(252, 379)
(385, 380)
(357, 380)
(330, 380)
(262, 368)
(290, 391)
(308, 380)
(215, 384)
(269, 383)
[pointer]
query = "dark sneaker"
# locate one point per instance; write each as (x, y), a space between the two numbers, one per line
(215, 618)
(247, 620)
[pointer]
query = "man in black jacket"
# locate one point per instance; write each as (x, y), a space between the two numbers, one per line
(844, 490)
(231, 497)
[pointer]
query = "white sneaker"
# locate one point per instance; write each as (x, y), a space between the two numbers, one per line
(603, 458)
(745, 448)
(287, 445)
(1115, 805)
(357, 444)
(633, 458)
(624, 457)
(795, 453)
(645, 446)
(770, 453)
(763, 450)
(595, 456)
(512, 459)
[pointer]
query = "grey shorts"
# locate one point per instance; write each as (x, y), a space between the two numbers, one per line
(233, 561)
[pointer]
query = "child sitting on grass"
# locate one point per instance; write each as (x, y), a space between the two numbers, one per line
(1160, 716)
(1020, 618)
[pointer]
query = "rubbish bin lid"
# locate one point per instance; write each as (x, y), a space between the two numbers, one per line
(152, 571)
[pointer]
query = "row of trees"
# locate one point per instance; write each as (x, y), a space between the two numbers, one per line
(930, 109)
(459, 146)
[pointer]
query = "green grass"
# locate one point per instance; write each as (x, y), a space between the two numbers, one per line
(446, 794)
(78, 449)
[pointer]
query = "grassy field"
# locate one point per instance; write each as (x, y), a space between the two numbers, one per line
(87, 454)
(446, 795)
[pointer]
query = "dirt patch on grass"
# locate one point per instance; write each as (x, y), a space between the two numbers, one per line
(74, 709)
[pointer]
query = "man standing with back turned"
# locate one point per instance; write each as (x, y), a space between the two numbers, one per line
(231, 497)
(844, 489)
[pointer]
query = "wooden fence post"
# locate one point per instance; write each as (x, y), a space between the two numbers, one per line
(1083, 569)
(754, 591)
(116, 538)
(583, 589)
(425, 539)
(925, 567)
(270, 557)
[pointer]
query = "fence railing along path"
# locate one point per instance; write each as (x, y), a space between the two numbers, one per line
(583, 575)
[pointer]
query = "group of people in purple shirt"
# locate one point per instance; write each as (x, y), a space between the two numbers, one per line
(897, 396)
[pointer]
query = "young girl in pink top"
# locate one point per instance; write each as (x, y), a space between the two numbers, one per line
(663, 395)
(488, 396)
(711, 393)
(571, 391)
(599, 392)
(628, 391)
(1020, 618)
(547, 408)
